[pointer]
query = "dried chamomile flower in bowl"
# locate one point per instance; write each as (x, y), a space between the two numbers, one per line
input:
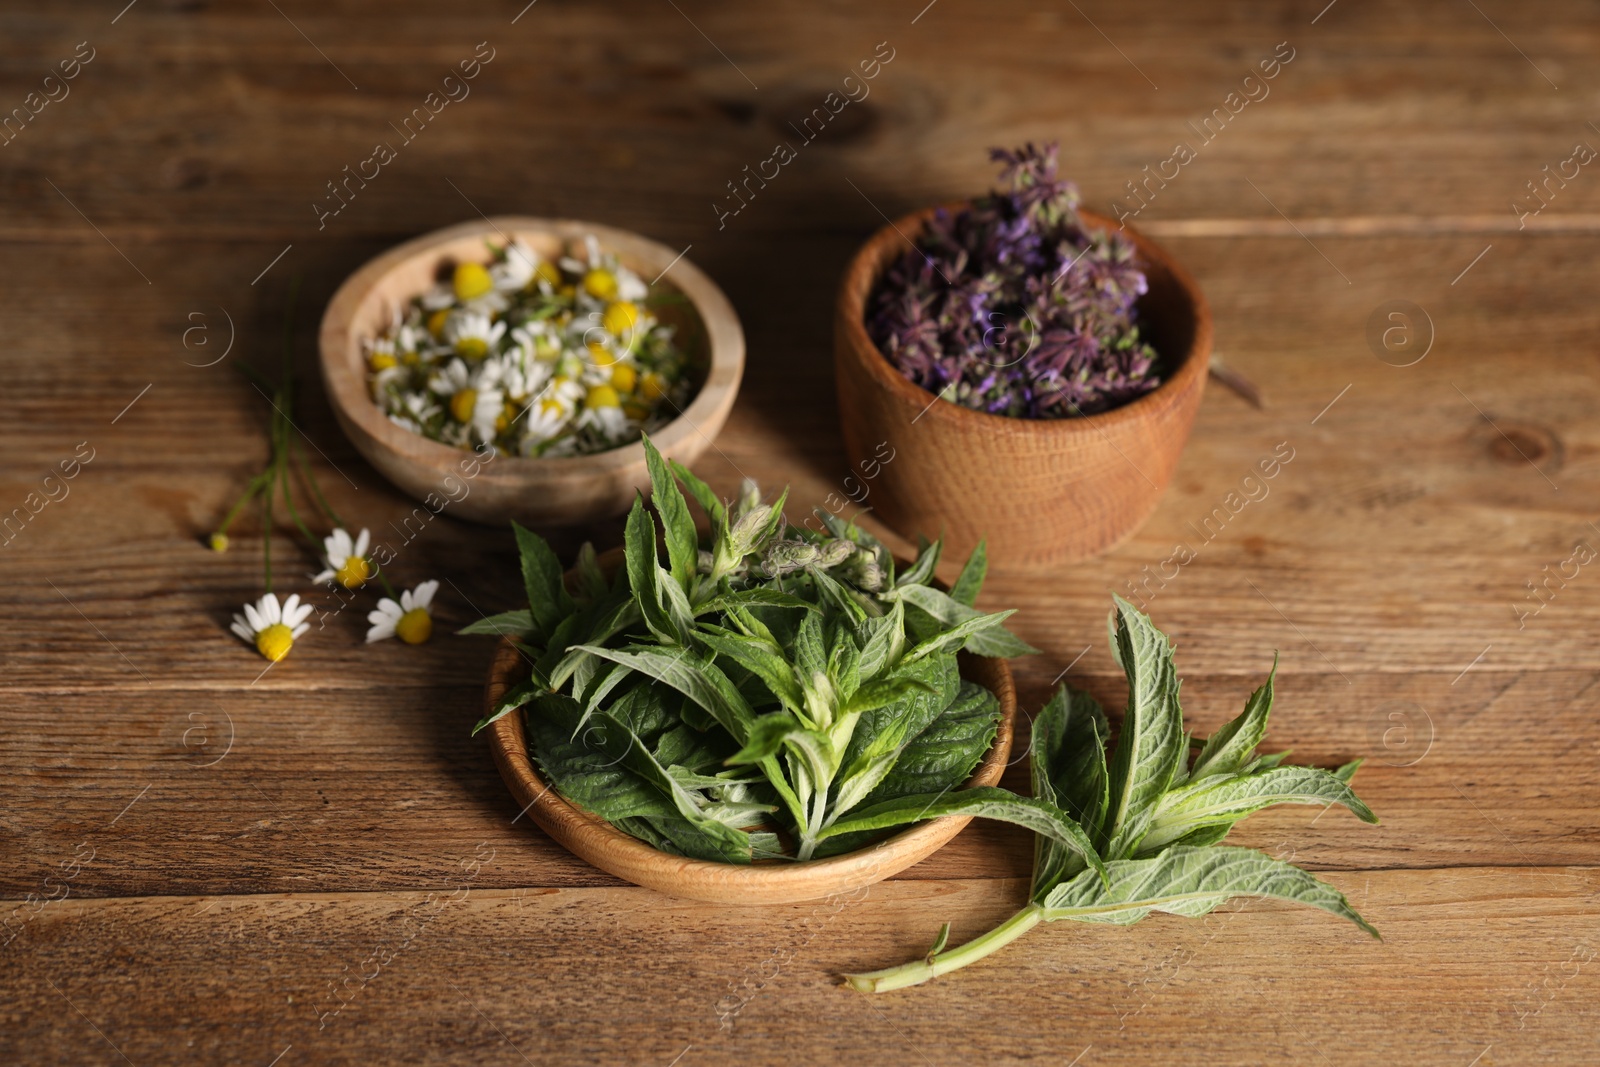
(508, 368)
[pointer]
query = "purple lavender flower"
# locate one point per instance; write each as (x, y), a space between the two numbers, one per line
(1018, 305)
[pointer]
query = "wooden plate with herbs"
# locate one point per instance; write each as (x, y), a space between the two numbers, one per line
(618, 853)
(744, 718)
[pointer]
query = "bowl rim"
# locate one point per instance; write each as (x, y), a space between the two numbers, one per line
(602, 845)
(873, 258)
(344, 373)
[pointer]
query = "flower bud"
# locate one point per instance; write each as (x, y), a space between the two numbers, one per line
(785, 556)
(218, 542)
(836, 552)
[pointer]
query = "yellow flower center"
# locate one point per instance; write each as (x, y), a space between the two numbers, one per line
(600, 284)
(620, 317)
(546, 349)
(623, 378)
(652, 387)
(601, 396)
(472, 349)
(219, 542)
(567, 292)
(601, 357)
(410, 359)
(471, 281)
(635, 410)
(547, 271)
(550, 406)
(380, 361)
(437, 320)
(463, 404)
(275, 641)
(353, 572)
(414, 627)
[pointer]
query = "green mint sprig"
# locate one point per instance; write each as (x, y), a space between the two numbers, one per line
(1153, 816)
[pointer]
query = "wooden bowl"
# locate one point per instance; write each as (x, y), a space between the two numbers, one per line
(611, 850)
(1042, 491)
(553, 491)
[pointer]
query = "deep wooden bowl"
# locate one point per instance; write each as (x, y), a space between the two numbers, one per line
(611, 850)
(551, 491)
(1041, 491)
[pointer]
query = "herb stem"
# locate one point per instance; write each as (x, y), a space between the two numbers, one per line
(918, 971)
(250, 490)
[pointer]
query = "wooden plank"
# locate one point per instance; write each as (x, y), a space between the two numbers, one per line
(363, 789)
(1475, 962)
(1424, 113)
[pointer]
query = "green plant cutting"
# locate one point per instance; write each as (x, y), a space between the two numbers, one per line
(1155, 809)
(771, 693)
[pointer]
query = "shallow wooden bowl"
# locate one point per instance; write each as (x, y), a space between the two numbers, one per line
(611, 850)
(1041, 491)
(551, 491)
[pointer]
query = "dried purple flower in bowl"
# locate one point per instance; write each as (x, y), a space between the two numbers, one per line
(1028, 374)
(1014, 307)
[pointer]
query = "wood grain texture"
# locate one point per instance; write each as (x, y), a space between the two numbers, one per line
(1387, 562)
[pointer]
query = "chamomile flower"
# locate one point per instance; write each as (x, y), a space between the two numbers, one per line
(472, 335)
(272, 628)
(521, 335)
(410, 620)
(347, 559)
(516, 270)
(602, 412)
(545, 418)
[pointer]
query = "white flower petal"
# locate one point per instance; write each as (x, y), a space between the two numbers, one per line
(270, 611)
(362, 542)
(424, 593)
(300, 629)
(253, 619)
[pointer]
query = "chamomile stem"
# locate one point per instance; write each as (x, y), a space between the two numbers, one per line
(250, 490)
(918, 971)
(311, 481)
(266, 536)
(387, 588)
(288, 498)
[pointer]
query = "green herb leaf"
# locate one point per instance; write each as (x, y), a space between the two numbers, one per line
(761, 657)
(695, 677)
(970, 581)
(985, 638)
(1151, 745)
(548, 600)
(1215, 800)
(515, 623)
(944, 754)
(683, 543)
(921, 572)
(1191, 882)
(644, 574)
(510, 701)
(987, 802)
(1231, 747)
(591, 579)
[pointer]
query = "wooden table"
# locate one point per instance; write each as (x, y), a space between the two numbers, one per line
(319, 865)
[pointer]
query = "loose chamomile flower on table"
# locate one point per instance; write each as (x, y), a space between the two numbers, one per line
(273, 628)
(411, 620)
(347, 559)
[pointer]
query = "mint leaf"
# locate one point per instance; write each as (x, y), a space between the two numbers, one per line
(683, 543)
(1151, 745)
(1230, 748)
(1191, 882)
(548, 601)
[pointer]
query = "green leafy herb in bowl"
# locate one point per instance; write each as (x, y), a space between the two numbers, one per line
(774, 694)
